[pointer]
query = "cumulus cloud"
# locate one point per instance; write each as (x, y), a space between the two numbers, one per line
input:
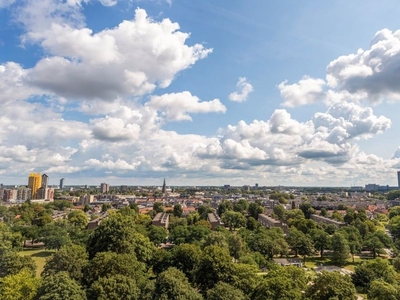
(177, 106)
(108, 2)
(397, 153)
(6, 3)
(244, 89)
(374, 71)
(349, 120)
(114, 129)
(121, 130)
(13, 85)
(136, 57)
(307, 91)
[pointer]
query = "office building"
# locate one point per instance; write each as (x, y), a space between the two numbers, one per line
(35, 183)
(61, 183)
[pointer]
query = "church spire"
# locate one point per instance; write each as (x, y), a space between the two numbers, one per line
(164, 187)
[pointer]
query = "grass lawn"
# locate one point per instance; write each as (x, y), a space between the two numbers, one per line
(312, 262)
(39, 256)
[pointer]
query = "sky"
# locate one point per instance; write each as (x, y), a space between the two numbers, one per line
(295, 93)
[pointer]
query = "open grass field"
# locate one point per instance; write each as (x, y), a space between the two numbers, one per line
(39, 256)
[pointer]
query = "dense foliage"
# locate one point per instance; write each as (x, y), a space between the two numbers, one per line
(125, 258)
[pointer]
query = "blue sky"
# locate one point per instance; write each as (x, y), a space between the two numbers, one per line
(207, 92)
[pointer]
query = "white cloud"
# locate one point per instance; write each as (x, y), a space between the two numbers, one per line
(350, 120)
(177, 106)
(114, 129)
(12, 83)
(6, 3)
(307, 91)
(397, 153)
(136, 57)
(244, 89)
(108, 2)
(373, 71)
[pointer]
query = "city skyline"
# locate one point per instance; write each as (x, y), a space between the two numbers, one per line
(130, 92)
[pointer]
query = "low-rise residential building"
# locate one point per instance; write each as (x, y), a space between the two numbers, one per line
(215, 220)
(321, 219)
(270, 222)
(161, 219)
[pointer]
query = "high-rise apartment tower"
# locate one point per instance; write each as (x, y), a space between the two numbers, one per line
(34, 183)
(398, 179)
(45, 181)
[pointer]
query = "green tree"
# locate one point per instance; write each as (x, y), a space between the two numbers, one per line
(215, 238)
(241, 206)
(32, 233)
(281, 283)
(374, 269)
(252, 224)
(78, 218)
(178, 211)
(393, 195)
(60, 287)
(244, 277)
(324, 212)
(224, 291)
(280, 212)
(233, 219)
(61, 204)
(193, 217)
(72, 259)
(12, 263)
(179, 234)
(105, 207)
(321, 240)
(394, 226)
(396, 264)
(331, 285)
(350, 215)
(109, 263)
(172, 284)
(54, 237)
(215, 265)
(224, 206)
(255, 209)
(157, 234)
(19, 286)
(373, 242)
(353, 238)
(158, 207)
(43, 220)
(382, 290)
(275, 289)
(117, 234)
(299, 243)
(236, 246)
(86, 208)
(186, 258)
(265, 244)
(114, 287)
(337, 216)
(307, 209)
(340, 249)
(394, 212)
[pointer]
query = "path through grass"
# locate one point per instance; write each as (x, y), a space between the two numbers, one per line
(39, 256)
